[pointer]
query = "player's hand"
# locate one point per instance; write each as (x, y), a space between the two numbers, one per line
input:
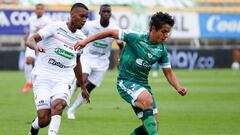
(79, 45)
(182, 91)
(86, 95)
(41, 50)
(38, 49)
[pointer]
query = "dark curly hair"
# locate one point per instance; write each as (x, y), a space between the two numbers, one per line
(159, 19)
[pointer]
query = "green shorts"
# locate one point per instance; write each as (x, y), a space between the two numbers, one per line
(129, 91)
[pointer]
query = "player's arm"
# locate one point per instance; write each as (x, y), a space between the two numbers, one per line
(32, 42)
(114, 33)
(169, 74)
(78, 73)
(42, 34)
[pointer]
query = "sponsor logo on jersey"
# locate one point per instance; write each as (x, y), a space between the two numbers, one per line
(100, 45)
(143, 63)
(64, 53)
(55, 63)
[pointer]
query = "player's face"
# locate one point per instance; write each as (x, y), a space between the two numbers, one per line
(39, 10)
(105, 13)
(79, 17)
(162, 34)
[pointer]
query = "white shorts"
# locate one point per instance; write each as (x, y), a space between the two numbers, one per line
(95, 68)
(46, 91)
(30, 53)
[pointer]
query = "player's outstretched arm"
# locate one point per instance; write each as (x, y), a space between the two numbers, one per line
(78, 73)
(103, 34)
(169, 74)
(32, 42)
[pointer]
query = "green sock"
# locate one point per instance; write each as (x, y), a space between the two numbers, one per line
(149, 122)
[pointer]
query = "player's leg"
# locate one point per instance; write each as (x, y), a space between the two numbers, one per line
(42, 101)
(80, 100)
(59, 101)
(141, 130)
(155, 112)
(86, 69)
(141, 98)
(41, 121)
(92, 80)
(93, 74)
(30, 56)
(58, 106)
(144, 101)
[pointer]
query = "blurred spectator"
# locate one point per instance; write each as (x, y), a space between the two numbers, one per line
(35, 23)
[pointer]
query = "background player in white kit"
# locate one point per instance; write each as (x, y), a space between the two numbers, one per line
(95, 57)
(36, 22)
(55, 66)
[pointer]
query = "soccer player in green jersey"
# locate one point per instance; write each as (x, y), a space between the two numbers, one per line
(138, 56)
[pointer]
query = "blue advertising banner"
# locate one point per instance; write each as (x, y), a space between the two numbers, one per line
(15, 22)
(219, 25)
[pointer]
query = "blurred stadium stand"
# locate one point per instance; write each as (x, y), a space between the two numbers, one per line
(200, 24)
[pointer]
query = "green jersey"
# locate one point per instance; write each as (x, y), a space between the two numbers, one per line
(139, 55)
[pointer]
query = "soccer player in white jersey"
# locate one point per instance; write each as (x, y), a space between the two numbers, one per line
(36, 22)
(95, 57)
(55, 66)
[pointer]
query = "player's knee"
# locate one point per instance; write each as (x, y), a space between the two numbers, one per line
(144, 101)
(148, 104)
(58, 108)
(43, 121)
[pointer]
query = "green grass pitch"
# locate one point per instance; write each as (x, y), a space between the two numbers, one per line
(211, 107)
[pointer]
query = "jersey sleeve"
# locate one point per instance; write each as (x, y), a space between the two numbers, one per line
(127, 36)
(47, 31)
(164, 60)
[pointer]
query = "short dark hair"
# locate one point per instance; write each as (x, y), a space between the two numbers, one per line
(39, 4)
(105, 5)
(159, 19)
(78, 5)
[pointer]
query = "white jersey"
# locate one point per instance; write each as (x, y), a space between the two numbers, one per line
(100, 49)
(37, 23)
(59, 58)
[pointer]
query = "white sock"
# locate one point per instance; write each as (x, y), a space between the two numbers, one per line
(54, 125)
(27, 70)
(78, 102)
(35, 124)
